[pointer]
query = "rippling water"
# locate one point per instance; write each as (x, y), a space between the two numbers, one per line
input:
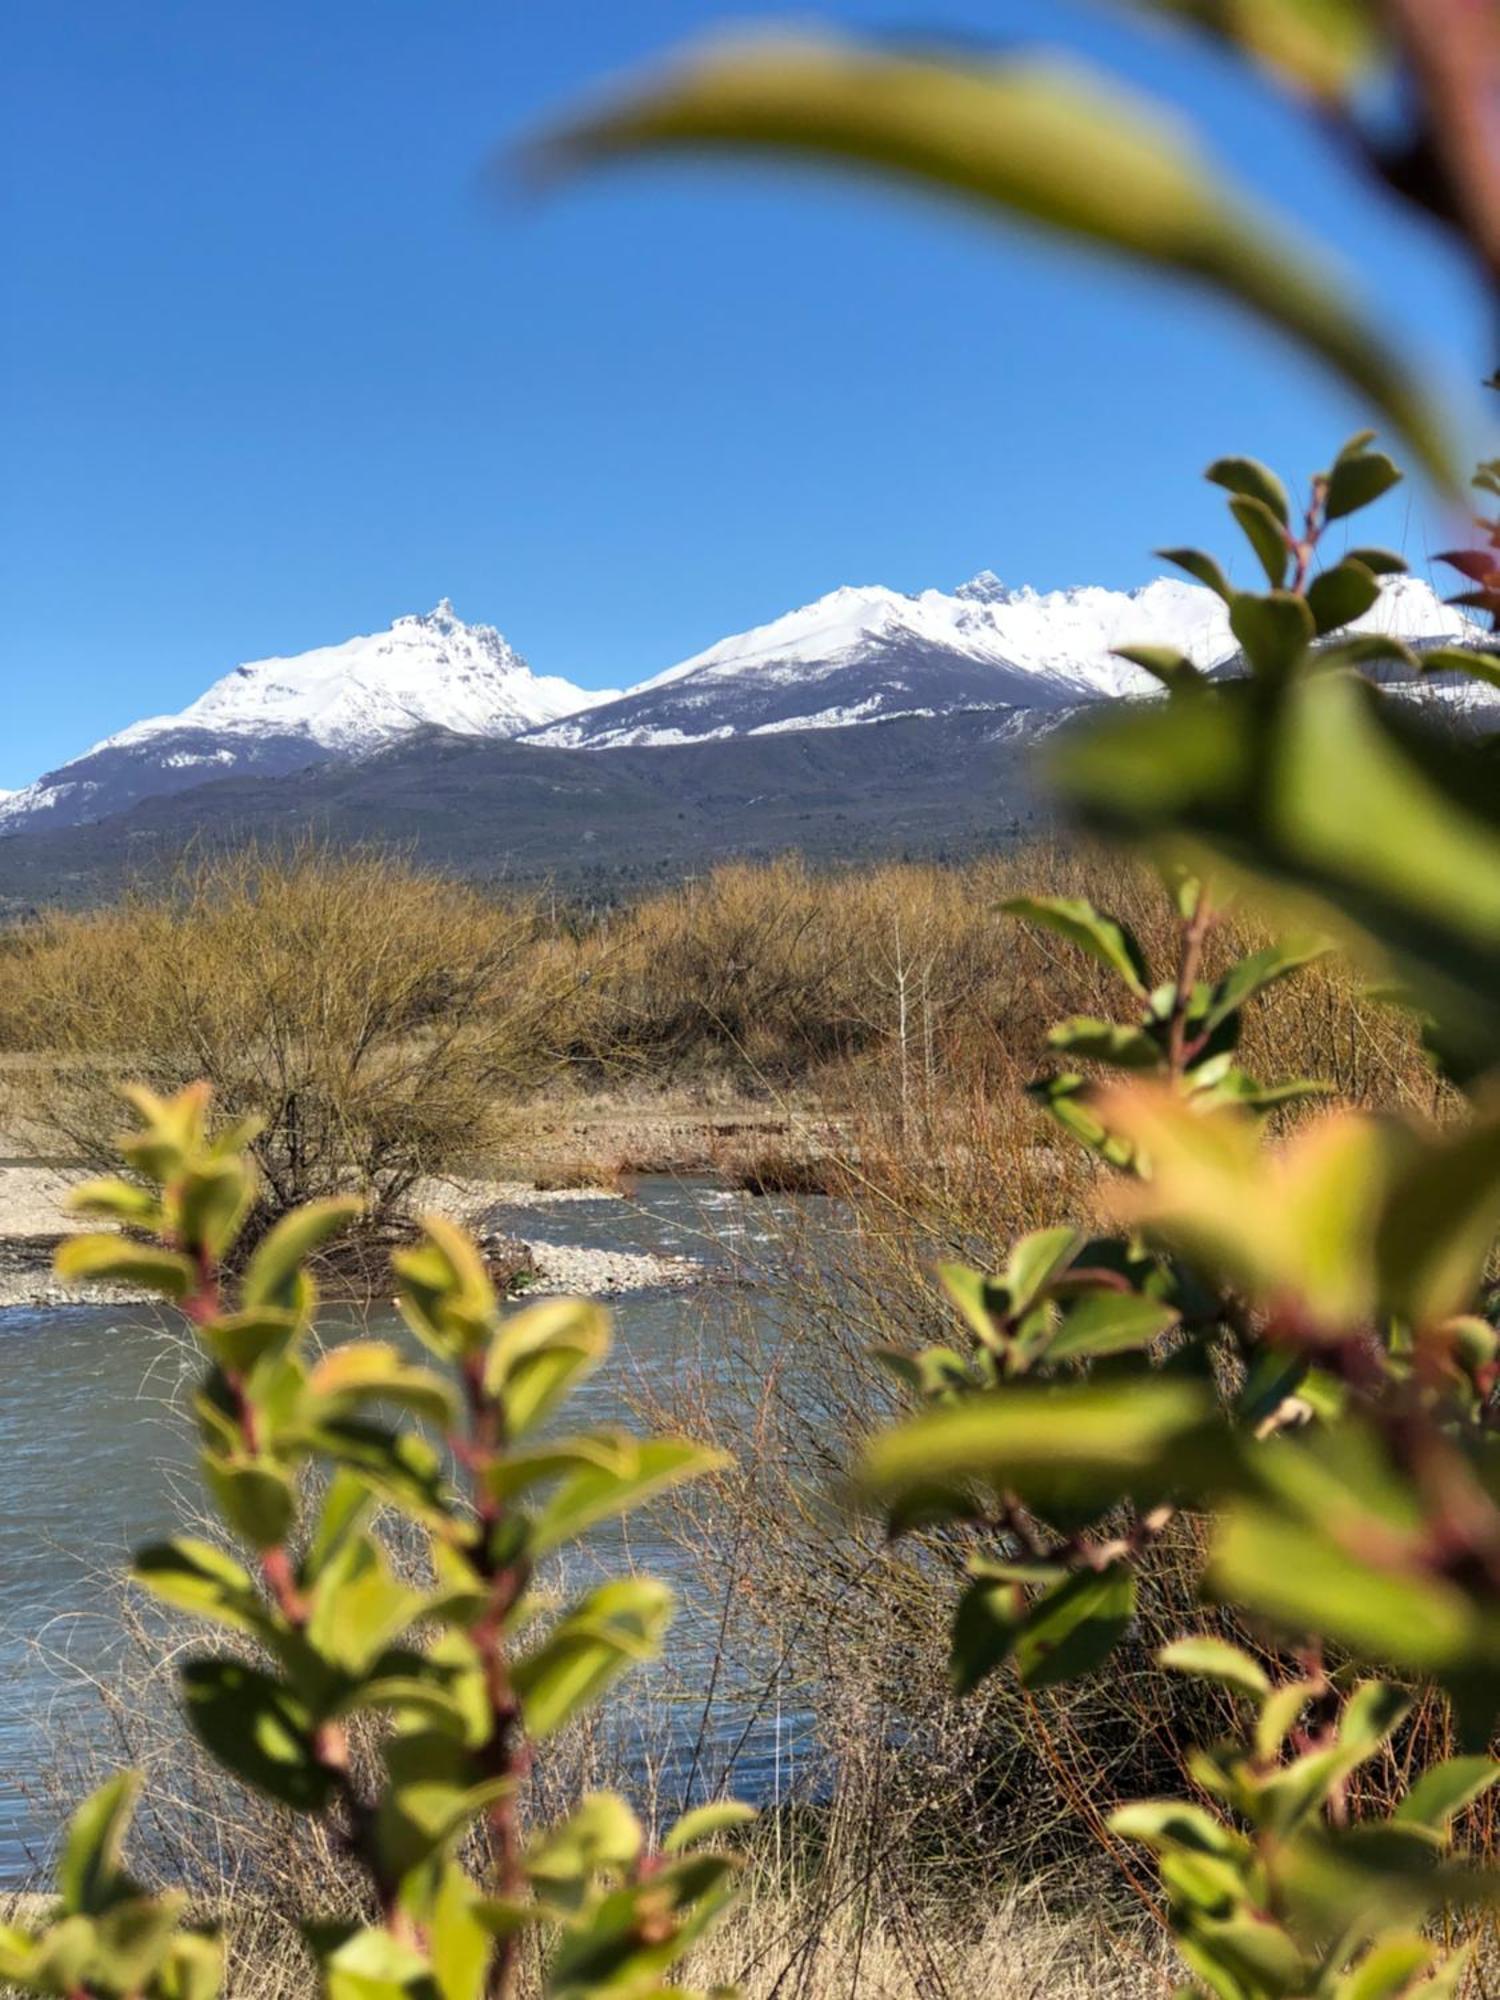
(96, 1456)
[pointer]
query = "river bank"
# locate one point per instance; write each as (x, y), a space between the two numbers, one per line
(35, 1219)
(568, 1148)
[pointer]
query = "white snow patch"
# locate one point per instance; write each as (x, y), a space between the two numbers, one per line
(425, 670)
(1066, 639)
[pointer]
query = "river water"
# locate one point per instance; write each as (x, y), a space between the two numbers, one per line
(97, 1456)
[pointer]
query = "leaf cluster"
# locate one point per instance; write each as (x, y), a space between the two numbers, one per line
(462, 1673)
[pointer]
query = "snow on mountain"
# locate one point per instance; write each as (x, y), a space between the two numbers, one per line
(368, 691)
(858, 655)
(277, 715)
(853, 656)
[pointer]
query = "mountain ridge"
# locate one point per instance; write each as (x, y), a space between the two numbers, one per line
(276, 715)
(857, 655)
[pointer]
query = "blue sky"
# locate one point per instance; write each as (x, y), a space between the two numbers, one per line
(274, 367)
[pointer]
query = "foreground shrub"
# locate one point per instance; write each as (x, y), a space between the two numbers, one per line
(462, 1672)
(1293, 1344)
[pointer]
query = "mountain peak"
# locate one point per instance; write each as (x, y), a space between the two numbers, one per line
(441, 618)
(986, 588)
(426, 670)
(857, 654)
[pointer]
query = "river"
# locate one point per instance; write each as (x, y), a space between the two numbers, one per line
(97, 1456)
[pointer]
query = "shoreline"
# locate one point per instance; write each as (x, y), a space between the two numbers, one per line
(34, 1221)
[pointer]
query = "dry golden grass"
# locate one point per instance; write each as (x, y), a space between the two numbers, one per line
(388, 1020)
(784, 1946)
(379, 1019)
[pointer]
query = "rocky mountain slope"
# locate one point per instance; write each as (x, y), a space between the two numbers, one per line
(599, 822)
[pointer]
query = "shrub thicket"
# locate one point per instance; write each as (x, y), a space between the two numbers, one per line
(375, 1018)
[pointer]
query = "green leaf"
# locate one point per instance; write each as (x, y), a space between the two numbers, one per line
(1282, 1569)
(616, 1626)
(1166, 664)
(1359, 649)
(932, 1371)
(359, 1609)
(257, 1729)
(1387, 1969)
(346, 1506)
(1251, 480)
(1340, 595)
(116, 1260)
(1445, 1789)
(1279, 1714)
(986, 1621)
(458, 1942)
(1035, 1262)
(255, 1496)
(272, 1273)
(398, 1465)
(1359, 477)
(237, 1341)
(365, 1963)
(1058, 1443)
(602, 1832)
(538, 1355)
(1372, 1713)
(193, 1575)
(1461, 660)
(57, 1962)
(1074, 1627)
(1165, 1823)
(595, 1494)
(194, 1968)
(1107, 1042)
(1081, 924)
(1261, 969)
(1203, 568)
(1379, 562)
(134, 1938)
(1266, 535)
(89, 1872)
(360, 1372)
(707, 1823)
(1022, 138)
(1069, 1099)
(212, 1205)
(1258, 1954)
(1438, 1229)
(116, 1200)
(1109, 1323)
(1319, 46)
(444, 1291)
(1329, 793)
(1275, 632)
(984, 1303)
(1213, 1659)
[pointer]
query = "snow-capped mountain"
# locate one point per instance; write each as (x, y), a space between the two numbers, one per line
(858, 655)
(336, 702)
(854, 656)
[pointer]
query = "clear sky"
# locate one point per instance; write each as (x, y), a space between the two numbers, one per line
(274, 367)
